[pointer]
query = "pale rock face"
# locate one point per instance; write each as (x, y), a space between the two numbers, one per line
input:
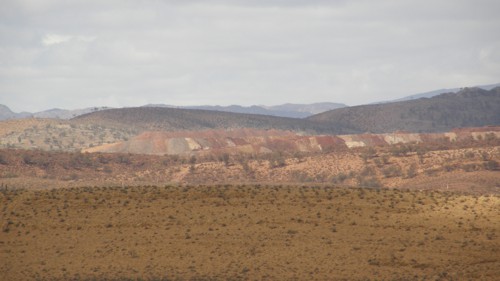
(401, 138)
(192, 144)
(452, 136)
(352, 144)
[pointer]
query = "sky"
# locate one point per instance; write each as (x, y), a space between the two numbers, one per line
(77, 54)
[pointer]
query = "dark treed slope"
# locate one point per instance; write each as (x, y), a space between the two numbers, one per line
(174, 119)
(470, 107)
(442, 91)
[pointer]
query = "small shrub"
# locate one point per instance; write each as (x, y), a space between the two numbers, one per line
(192, 160)
(470, 167)
(367, 171)
(431, 172)
(400, 150)
(108, 170)
(449, 167)
(469, 154)
(368, 153)
(28, 160)
(339, 178)
(9, 175)
(392, 171)
(412, 171)
(369, 182)
(3, 160)
(491, 165)
(224, 158)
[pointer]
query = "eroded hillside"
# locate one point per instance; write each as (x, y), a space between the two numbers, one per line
(251, 141)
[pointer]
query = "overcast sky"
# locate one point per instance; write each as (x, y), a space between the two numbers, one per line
(75, 54)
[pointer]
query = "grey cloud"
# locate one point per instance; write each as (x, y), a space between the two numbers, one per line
(124, 53)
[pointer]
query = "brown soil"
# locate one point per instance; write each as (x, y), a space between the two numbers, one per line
(247, 233)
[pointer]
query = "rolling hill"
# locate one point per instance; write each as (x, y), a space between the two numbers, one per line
(470, 107)
(175, 119)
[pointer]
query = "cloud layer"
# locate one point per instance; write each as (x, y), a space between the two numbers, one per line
(75, 54)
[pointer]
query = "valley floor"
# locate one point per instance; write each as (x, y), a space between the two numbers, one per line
(247, 232)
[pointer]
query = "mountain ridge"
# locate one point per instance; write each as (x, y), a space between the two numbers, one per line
(470, 107)
(433, 93)
(290, 110)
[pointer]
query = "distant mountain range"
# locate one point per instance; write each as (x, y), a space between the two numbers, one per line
(284, 110)
(6, 113)
(56, 113)
(425, 112)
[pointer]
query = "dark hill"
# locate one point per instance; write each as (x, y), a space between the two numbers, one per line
(175, 119)
(283, 110)
(470, 107)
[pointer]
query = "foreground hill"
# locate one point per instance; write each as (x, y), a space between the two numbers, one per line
(174, 119)
(471, 107)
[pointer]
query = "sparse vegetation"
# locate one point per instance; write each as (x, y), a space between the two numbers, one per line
(235, 232)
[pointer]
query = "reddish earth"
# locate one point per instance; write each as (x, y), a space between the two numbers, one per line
(233, 141)
(261, 141)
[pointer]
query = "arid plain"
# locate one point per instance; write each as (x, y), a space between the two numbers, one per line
(248, 233)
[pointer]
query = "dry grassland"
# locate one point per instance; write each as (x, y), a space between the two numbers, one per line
(247, 233)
